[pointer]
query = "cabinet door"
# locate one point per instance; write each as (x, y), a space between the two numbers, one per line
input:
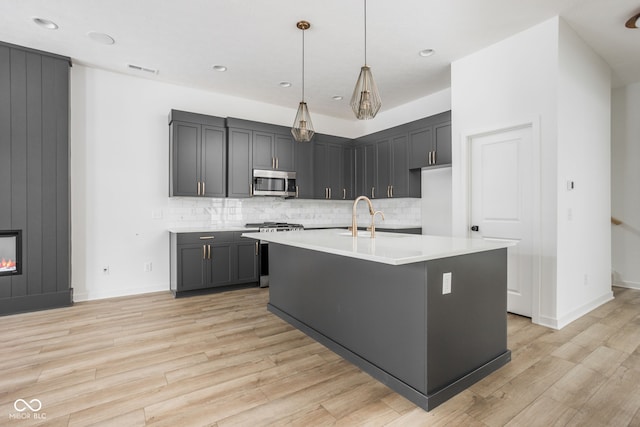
(190, 270)
(320, 166)
(247, 255)
(348, 174)
(304, 170)
(185, 168)
(370, 171)
(400, 166)
(419, 147)
(285, 152)
(239, 176)
(359, 171)
(442, 143)
(334, 171)
(384, 169)
(219, 264)
(214, 161)
(263, 157)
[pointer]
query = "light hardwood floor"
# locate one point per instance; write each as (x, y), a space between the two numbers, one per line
(223, 360)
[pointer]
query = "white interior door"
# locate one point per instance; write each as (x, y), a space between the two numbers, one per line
(501, 191)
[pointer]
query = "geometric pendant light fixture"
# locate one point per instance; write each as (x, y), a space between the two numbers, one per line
(302, 129)
(365, 100)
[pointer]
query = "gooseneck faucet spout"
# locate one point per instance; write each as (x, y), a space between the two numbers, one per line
(354, 222)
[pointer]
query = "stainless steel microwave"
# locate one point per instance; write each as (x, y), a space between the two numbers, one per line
(274, 183)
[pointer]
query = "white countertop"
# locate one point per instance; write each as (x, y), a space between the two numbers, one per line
(218, 229)
(387, 248)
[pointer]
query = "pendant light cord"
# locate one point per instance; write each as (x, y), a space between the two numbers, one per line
(365, 33)
(303, 65)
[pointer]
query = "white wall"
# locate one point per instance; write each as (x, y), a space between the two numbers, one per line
(584, 142)
(625, 176)
(521, 80)
(119, 180)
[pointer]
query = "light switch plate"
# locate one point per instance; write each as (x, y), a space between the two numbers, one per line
(446, 283)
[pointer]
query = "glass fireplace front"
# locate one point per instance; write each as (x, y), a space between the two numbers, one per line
(10, 252)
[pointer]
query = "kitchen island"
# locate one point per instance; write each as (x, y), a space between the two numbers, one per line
(384, 304)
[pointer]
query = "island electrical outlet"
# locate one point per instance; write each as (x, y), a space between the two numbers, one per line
(446, 283)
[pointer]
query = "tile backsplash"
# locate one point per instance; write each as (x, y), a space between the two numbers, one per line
(193, 212)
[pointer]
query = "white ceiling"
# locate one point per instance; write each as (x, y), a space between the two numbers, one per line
(259, 43)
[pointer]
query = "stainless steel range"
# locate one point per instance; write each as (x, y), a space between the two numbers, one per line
(270, 227)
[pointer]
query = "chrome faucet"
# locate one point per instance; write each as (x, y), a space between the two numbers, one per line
(354, 222)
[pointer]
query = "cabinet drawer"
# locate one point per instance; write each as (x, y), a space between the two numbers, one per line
(218, 237)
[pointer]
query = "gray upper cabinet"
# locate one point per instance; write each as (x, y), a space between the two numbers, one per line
(198, 153)
(240, 162)
(273, 151)
(348, 174)
(371, 171)
(304, 170)
(328, 168)
(430, 141)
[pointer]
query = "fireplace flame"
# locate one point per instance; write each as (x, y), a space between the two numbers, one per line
(7, 264)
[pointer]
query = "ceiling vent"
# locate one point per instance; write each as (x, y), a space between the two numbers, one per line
(146, 70)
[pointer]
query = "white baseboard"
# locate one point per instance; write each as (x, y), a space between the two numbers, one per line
(559, 323)
(114, 293)
(627, 284)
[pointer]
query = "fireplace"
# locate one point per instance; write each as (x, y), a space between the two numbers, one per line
(10, 252)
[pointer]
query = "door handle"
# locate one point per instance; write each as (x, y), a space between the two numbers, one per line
(329, 192)
(430, 153)
(434, 157)
(257, 248)
(277, 163)
(475, 228)
(344, 194)
(204, 251)
(209, 246)
(198, 188)
(392, 191)
(203, 188)
(297, 192)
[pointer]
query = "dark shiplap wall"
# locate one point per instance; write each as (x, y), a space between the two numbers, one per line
(34, 176)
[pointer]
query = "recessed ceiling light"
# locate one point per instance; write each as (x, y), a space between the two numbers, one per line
(285, 84)
(633, 21)
(220, 68)
(426, 52)
(45, 23)
(337, 97)
(101, 37)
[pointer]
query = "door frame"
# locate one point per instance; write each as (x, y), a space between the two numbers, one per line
(536, 215)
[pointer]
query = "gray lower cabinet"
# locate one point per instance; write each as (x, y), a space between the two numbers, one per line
(430, 141)
(198, 152)
(211, 260)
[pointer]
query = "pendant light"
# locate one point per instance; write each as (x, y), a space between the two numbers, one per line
(365, 100)
(302, 129)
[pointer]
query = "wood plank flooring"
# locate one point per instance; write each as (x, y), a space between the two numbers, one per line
(223, 360)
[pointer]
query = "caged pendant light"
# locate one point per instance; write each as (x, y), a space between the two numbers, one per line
(365, 100)
(302, 129)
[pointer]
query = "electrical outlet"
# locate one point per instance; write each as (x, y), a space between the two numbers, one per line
(105, 269)
(446, 283)
(148, 267)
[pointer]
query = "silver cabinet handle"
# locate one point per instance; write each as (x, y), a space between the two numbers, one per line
(297, 191)
(329, 192)
(277, 163)
(344, 194)
(273, 163)
(204, 251)
(257, 247)
(206, 237)
(373, 192)
(434, 157)
(209, 246)
(429, 163)
(388, 191)
(203, 188)
(198, 188)
(392, 191)
(326, 193)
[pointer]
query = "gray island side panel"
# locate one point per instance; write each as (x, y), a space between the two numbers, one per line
(394, 324)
